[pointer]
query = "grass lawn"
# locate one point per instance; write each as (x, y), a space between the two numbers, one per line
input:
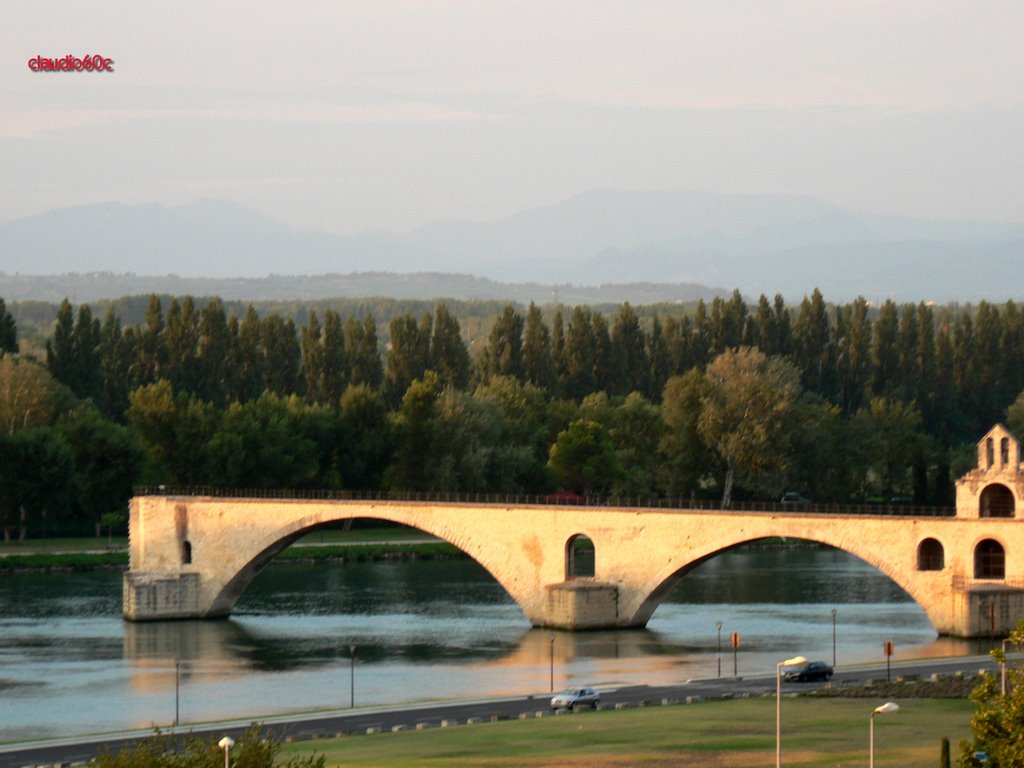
(718, 734)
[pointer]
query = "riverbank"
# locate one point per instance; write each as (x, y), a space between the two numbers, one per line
(40, 556)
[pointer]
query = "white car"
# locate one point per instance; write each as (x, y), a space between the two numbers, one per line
(575, 698)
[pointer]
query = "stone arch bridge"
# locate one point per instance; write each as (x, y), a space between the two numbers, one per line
(193, 556)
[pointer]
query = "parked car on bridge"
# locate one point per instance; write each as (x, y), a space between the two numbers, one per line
(792, 497)
(807, 671)
(575, 698)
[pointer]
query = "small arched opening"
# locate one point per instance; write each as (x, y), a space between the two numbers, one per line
(997, 501)
(930, 556)
(579, 557)
(186, 552)
(989, 560)
(990, 453)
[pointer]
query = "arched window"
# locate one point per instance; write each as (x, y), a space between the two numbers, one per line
(1004, 451)
(990, 453)
(930, 556)
(989, 560)
(186, 552)
(996, 501)
(579, 557)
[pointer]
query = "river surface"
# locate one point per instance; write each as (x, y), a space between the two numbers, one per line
(421, 630)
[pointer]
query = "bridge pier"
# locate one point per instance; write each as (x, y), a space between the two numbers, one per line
(581, 604)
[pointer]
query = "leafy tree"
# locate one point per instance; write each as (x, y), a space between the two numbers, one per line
(182, 337)
(29, 395)
(175, 430)
(408, 353)
(998, 720)
(152, 359)
(117, 355)
(538, 360)
(313, 359)
(363, 354)
(107, 461)
(884, 351)
(213, 348)
(890, 436)
(686, 460)
(449, 357)
(365, 454)
(504, 352)
(628, 364)
(281, 355)
(1015, 416)
(334, 377)
(413, 427)
(35, 477)
(583, 459)
(60, 350)
(747, 417)
(245, 364)
(8, 331)
(580, 354)
(520, 449)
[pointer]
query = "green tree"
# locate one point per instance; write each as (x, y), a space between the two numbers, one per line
(998, 720)
(504, 352)
(538, 360)
(8, 331)
(747, 417)
(583, 459)
(413, 427)
(281, 355)
(213, 348)
(408, 353)
(686, 461)
(175, 430)
(35, 478)
(152, 354)
(367, 451)
(245, 363)
(629, 367)
(890, 433)
(29, 395)
(519, 450)
(449, 357)
(60, 349)
(107, 461)
(364, 365)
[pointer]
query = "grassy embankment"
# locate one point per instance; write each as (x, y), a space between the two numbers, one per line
(717, 734)
(357, 545)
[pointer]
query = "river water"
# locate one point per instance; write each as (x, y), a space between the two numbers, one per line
(421, 630)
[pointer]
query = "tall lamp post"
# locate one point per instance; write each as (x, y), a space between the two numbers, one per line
(177, 672)
(778, 704)
(834, 637)
(551, 660)
(718, 626)
(351, 677)
(226, 744)
(885, 709)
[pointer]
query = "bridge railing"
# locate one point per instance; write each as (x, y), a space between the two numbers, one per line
(551, 499)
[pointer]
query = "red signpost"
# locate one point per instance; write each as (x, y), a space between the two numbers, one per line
(735, 646)
(888, 646)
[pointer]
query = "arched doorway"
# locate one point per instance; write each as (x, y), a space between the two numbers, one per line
(579, 557)
(997, 501)
(930, 556)
(989, 560)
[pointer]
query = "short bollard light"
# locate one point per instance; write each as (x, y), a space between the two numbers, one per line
(778, 704)
(886, 709)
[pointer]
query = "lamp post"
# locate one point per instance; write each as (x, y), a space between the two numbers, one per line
(834, 637)
(718, 626)
(778, 704)
(551, 660)
(885, 709)
(226, 744)
(351, 677)
(177, 672)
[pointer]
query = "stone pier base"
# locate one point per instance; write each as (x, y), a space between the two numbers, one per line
(161, 596)
(582, 604)
(986, 611)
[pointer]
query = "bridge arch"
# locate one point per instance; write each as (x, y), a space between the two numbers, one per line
(903, 578)
(276, 541)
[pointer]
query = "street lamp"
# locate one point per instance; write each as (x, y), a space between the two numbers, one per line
(718, 626)
(351, 677)
(177, 671)
(885, 709)
(834, 637)
(226, 744)
(778, 704)
(551, 659)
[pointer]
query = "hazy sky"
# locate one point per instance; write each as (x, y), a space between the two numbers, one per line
(346, 116)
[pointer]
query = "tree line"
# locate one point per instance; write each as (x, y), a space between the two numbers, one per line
(722, 400)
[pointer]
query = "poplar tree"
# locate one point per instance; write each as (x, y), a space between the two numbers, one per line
(538, 362)
(8, 331)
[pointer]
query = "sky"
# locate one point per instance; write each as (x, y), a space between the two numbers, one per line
(351, 116)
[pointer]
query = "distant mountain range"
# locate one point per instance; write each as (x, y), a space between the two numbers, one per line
(674, 241)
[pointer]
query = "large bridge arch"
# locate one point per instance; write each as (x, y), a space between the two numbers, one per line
(668, 578)
(274, 542)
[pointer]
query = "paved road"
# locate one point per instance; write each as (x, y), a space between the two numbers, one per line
(78, 749)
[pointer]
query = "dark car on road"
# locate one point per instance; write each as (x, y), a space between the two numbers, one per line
(807, 671)
(575, 698)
